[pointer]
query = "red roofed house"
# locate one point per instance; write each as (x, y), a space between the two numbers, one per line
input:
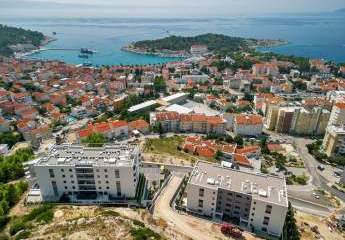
(140, 125)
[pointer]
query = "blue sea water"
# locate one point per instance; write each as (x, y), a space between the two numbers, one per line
(315, 36)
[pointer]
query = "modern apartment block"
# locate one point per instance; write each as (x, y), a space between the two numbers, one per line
(79, 173)
(197, 123)
(256, 201)
(298, 120)
(334, 140)
(338, 114)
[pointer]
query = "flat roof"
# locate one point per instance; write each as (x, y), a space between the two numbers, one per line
(262, 187)
(142, 105)
(178, 108)
(71, 155)
(174, 96)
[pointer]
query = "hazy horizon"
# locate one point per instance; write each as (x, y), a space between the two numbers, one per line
(162, 8)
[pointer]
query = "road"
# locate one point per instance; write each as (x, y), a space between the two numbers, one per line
(311, 166)
(192, 227)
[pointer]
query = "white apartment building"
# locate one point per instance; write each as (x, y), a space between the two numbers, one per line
(81, 173)
(248, 125)
(259, 202)
(337, 115)
(334, 140)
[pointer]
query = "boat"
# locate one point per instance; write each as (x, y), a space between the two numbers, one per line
(54, 33)
(87, 64)
(83, 56)
(86, 51)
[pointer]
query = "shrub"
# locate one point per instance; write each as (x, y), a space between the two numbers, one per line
(3, 221)
(138, 223)
(110, 213)
(16, 226)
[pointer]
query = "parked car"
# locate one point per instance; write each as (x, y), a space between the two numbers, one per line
(321, 167)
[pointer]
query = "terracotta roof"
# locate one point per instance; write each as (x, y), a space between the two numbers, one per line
(340, 105)
(167, 116)
(193, 139)
(215, 120)
(274, 147)
(117, 124)
(242, 160)
(247, 149)
(205, 151)
(85, 133)
(102, 127)
(248, 119)
(138, 124)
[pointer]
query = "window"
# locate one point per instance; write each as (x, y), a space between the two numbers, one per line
(97, 170)
(107, 182)
(118, 188)
(106, 176)
(51, 173)
(55, 189)
(268, 209)
(201, 192)
(71, 176)
(238, 196)
(117, 173)
(105, 170)
(70, 170)
(107, 187)
(63, 175)
(65, 187)
(99, 187)
(73, 187)
(72, 181)
(229, 194)
(62, 170)
(64, 181)
(266, 220)
(201, 203)
(264, 229)
(99, 182)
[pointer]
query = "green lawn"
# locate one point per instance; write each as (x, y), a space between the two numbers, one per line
(169, 146)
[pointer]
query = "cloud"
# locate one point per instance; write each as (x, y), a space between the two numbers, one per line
(161, 8)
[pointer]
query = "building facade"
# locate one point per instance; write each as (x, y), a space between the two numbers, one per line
(248, 125)
(258, 202)
(81, 173)
(334, 141)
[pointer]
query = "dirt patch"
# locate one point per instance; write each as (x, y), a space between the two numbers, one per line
(313, 227)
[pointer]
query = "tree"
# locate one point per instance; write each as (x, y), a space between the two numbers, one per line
(218, 155)
(290, 231)
(239, 140)
(94, 140)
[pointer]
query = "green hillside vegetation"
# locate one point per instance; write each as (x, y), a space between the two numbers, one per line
(218, 43)
(12, 35)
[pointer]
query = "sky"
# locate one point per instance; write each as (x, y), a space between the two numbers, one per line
(161, 8)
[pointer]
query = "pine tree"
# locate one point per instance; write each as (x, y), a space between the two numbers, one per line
(290, 227)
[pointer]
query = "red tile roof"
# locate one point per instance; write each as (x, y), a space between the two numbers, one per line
(138, 124)
(117, 124)
(248, 119)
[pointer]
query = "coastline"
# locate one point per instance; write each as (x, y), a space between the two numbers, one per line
(161, 53)
(252, 43)
(46, 40)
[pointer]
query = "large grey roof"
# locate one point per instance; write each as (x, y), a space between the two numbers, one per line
(114, 155)
(263, 187)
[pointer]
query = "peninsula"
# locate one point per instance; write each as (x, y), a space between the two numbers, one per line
(18, 40)
(179, 46)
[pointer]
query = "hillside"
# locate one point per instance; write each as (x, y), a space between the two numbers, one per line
(17, 39)
(218, 43)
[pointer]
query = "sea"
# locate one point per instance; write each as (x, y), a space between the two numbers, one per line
(314, 35)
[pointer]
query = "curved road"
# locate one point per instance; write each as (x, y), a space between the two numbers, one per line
(311, 165)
